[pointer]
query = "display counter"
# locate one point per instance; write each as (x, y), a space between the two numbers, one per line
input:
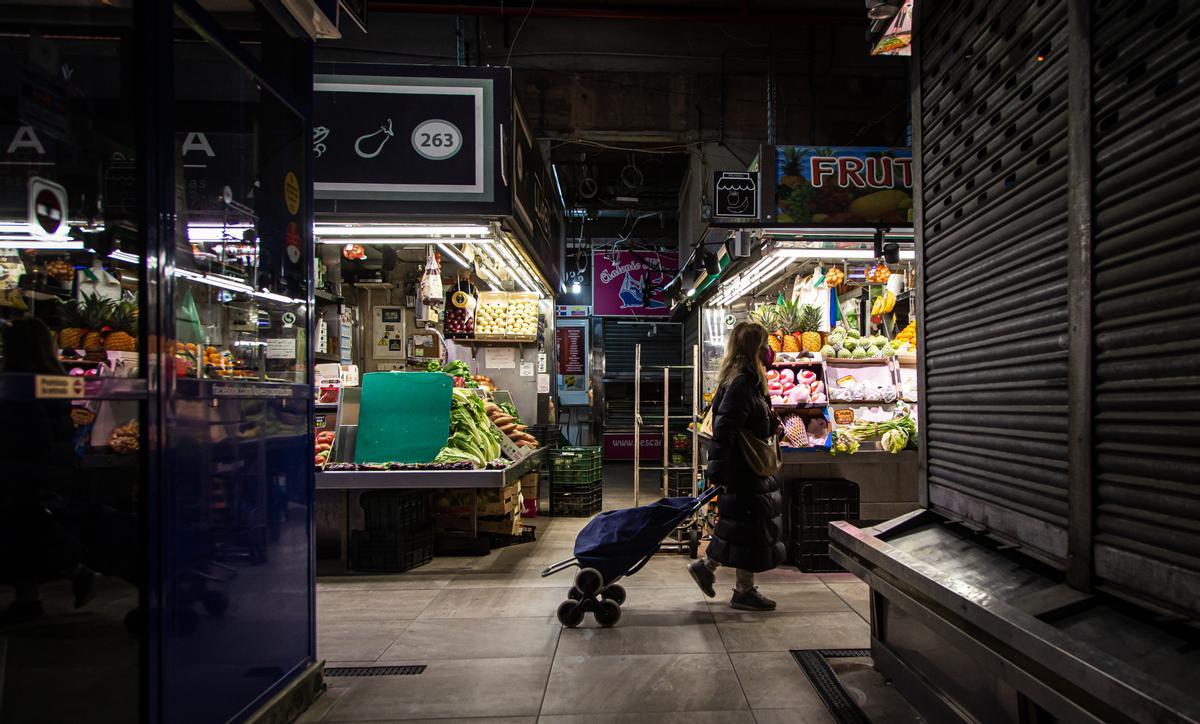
(428, 479)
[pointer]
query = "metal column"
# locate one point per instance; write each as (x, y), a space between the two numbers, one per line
(666, 431)
(695, 417)
(637, 424)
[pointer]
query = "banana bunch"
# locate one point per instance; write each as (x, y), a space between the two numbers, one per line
(884, 303)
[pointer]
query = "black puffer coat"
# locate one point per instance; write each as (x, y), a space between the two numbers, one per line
(749, 532)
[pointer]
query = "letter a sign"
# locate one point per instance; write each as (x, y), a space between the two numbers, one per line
(47, 209)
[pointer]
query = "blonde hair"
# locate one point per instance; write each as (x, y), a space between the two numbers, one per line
(743, 351)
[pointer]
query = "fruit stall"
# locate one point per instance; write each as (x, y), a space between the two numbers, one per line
(434, 309)
(843, 378)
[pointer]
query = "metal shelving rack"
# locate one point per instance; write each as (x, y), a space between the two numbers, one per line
(693, 419)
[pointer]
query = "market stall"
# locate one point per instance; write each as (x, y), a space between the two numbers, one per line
(435, 327)
(835, 298)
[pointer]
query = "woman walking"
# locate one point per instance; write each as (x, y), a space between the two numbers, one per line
(747, 534)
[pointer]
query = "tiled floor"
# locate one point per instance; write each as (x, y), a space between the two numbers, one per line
(485, 628)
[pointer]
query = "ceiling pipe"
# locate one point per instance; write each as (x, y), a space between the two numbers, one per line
(598, 13)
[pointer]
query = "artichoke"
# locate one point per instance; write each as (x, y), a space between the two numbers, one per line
(828, 351)
(859, 353)
(844, 353)
(873, 351)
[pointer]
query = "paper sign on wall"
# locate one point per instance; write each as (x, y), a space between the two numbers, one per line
(541, 362)
(281, 348)
(501, 358)
(527, 369)
(543, 384)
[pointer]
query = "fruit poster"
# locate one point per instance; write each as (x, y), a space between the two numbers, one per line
(630, 283)
(844, 185)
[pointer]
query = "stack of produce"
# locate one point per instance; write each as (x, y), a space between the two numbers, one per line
(456, 369)
(491, 316)
(878, 274)
(845, 343)
(510, 425)
(124, 439)
(472, 437)
(522, 318)
(788, 387)
(60, 270)
(794, 327)
(801, 432)
(484, 382)
(459, 319)
(907, 336)
(324, 446)
(895, 434)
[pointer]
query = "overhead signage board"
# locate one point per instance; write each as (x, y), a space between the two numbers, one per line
(398, 139)
(735, 194)
(849, 186)
(630, 283)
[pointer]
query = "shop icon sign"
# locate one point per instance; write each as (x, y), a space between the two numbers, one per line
(736, 194)
(47, 209)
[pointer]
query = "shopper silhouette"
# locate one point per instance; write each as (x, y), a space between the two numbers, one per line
(39, 460)
(748, 531)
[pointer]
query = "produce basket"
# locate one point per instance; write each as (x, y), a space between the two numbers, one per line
(395, 510)
(522, 320)
(390, 551)
(578, 501)
(491, 315)
(576, 465)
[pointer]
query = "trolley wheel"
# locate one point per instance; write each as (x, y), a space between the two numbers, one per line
(615, 592)
(575, 594)
(570, 614)
(608, 612)
(589, 581)
(694, 543)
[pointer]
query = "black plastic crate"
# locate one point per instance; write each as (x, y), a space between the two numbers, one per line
(390, 551)
(815, 504)
(576, 501)
(679, 484)
(395, 510)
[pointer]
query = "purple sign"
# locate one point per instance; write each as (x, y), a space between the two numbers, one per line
(630, 283)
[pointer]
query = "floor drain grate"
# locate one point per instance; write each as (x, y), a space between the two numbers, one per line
(375, 670)
(815, 664)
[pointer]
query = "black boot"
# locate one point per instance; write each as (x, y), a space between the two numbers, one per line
(703, 577)
(751, 600)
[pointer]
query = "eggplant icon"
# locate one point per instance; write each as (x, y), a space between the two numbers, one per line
(387, 132)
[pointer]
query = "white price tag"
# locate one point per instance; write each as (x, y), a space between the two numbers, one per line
(541, 362)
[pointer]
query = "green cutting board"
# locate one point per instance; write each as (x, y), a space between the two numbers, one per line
(404, 417)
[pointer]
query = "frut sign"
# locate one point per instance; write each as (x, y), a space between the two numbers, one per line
(876, 172)
(843, 186)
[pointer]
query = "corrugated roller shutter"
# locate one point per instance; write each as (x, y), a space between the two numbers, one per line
(661, 345)
(993, 103)
(1146, 91)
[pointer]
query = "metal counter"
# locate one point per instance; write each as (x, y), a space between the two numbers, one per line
(428, 479)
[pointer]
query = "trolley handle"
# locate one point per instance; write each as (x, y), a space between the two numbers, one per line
(706, 497)
(560, 566)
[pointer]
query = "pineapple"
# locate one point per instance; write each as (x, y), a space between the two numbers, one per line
(124, 323)
(72, 332)
(810, 328)
(788, 325)
(768, 316)
(791, 168)
(95, 311)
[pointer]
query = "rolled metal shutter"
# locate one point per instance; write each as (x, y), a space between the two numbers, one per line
(662, 344)
(994, 162)
(1146, 311)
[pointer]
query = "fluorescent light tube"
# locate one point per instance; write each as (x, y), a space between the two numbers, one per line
(401, 231)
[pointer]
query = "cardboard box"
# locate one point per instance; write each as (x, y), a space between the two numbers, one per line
(503, 525)
(488, 502)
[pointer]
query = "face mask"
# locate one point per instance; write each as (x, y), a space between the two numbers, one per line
(768, 356)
